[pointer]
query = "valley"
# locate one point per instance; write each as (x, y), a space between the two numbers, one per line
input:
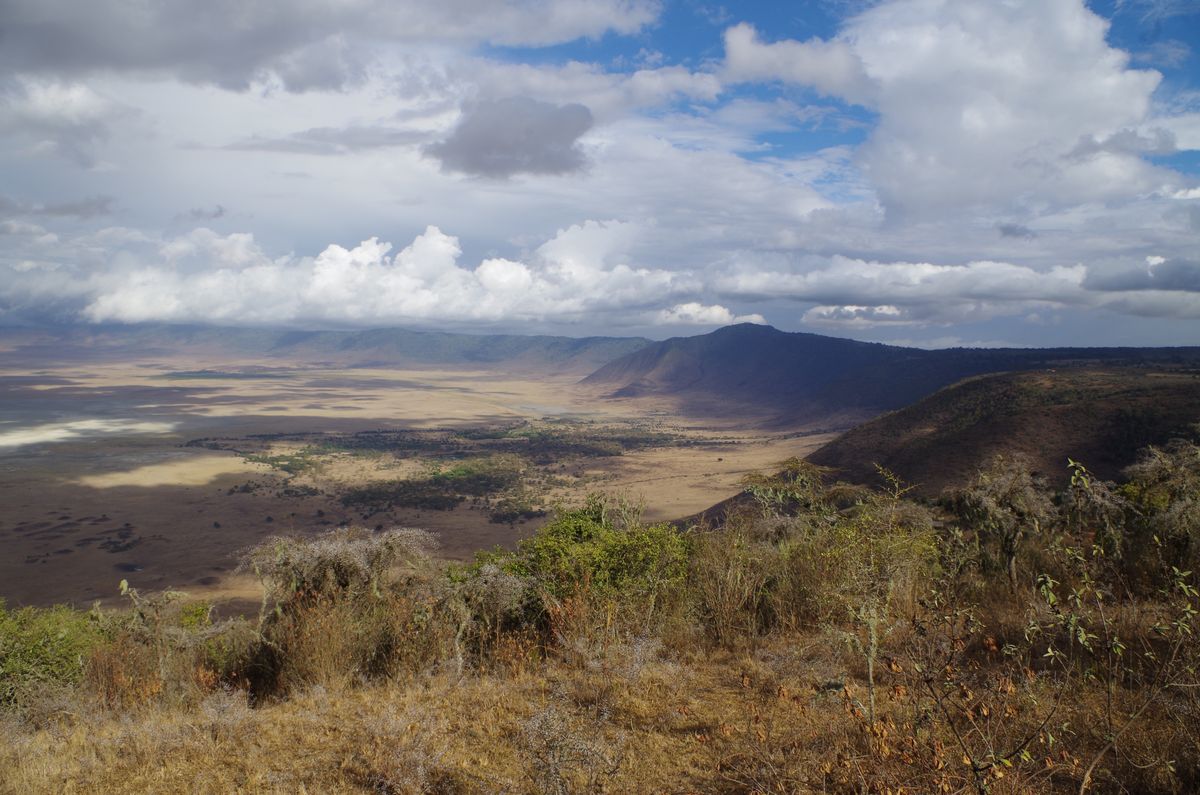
(158, 454)
(162, 470)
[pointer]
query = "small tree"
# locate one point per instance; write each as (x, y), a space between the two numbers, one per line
(798, 487)
(1003, 505)
(1164, 485)
(887, 546)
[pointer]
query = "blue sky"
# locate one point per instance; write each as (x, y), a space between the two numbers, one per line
(928, 172)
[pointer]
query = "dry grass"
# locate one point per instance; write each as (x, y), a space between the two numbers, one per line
(768, 722)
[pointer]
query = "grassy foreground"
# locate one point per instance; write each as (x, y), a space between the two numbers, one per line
(828, 638)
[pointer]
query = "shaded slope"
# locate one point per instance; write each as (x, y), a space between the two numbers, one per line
(1098, 417)
(790, 378)
(761, 370)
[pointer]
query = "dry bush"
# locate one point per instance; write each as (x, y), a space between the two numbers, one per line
(225, 714)
(164, 649)
(346, 560)
(338, 642)
(566, 754)
(406, 754)
(729, 578)
(124, 673)
(350, 605)
(491, 609)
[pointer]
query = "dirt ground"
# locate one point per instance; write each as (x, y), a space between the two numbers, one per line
(97, 485)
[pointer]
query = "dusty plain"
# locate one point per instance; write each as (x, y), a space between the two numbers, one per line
(162, 471)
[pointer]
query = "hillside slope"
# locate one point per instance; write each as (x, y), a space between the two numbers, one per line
(1100, 417)
(794, 378)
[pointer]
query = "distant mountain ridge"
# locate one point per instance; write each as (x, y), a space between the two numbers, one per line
(749, 373)
(796, 378)
(372, 347)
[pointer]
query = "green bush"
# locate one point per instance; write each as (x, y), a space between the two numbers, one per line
(585, 547)
(42, 648)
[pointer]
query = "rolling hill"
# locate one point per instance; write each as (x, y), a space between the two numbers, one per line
(1100, 417)
(784, 378)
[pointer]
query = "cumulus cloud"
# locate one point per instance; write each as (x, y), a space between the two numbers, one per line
(517, 135)
(306, 45)
(981, 104)
(694, 313)
(584, 273)
(831, 67)
(852, 316)
(204, 276)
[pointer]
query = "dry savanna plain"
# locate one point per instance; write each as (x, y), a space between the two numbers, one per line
(162, 471)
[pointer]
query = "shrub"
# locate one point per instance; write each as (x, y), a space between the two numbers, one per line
(1164, 485)
(1004, 505)
(349, 605)
(165, 648)
(42, 648)
(731, 581)
(797, 488)
(586, 577)
(341, 561)
(639, 566)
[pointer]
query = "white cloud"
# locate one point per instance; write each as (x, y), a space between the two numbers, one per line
(981, 104)
(853, 316)
(584, 274)
(229, 279)
(831, 67)
(1183, 129)
(694, 313)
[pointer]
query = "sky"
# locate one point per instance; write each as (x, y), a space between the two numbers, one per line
(924, 172)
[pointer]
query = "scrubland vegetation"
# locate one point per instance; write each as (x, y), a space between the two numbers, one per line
(823, 638)
(509, 471)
